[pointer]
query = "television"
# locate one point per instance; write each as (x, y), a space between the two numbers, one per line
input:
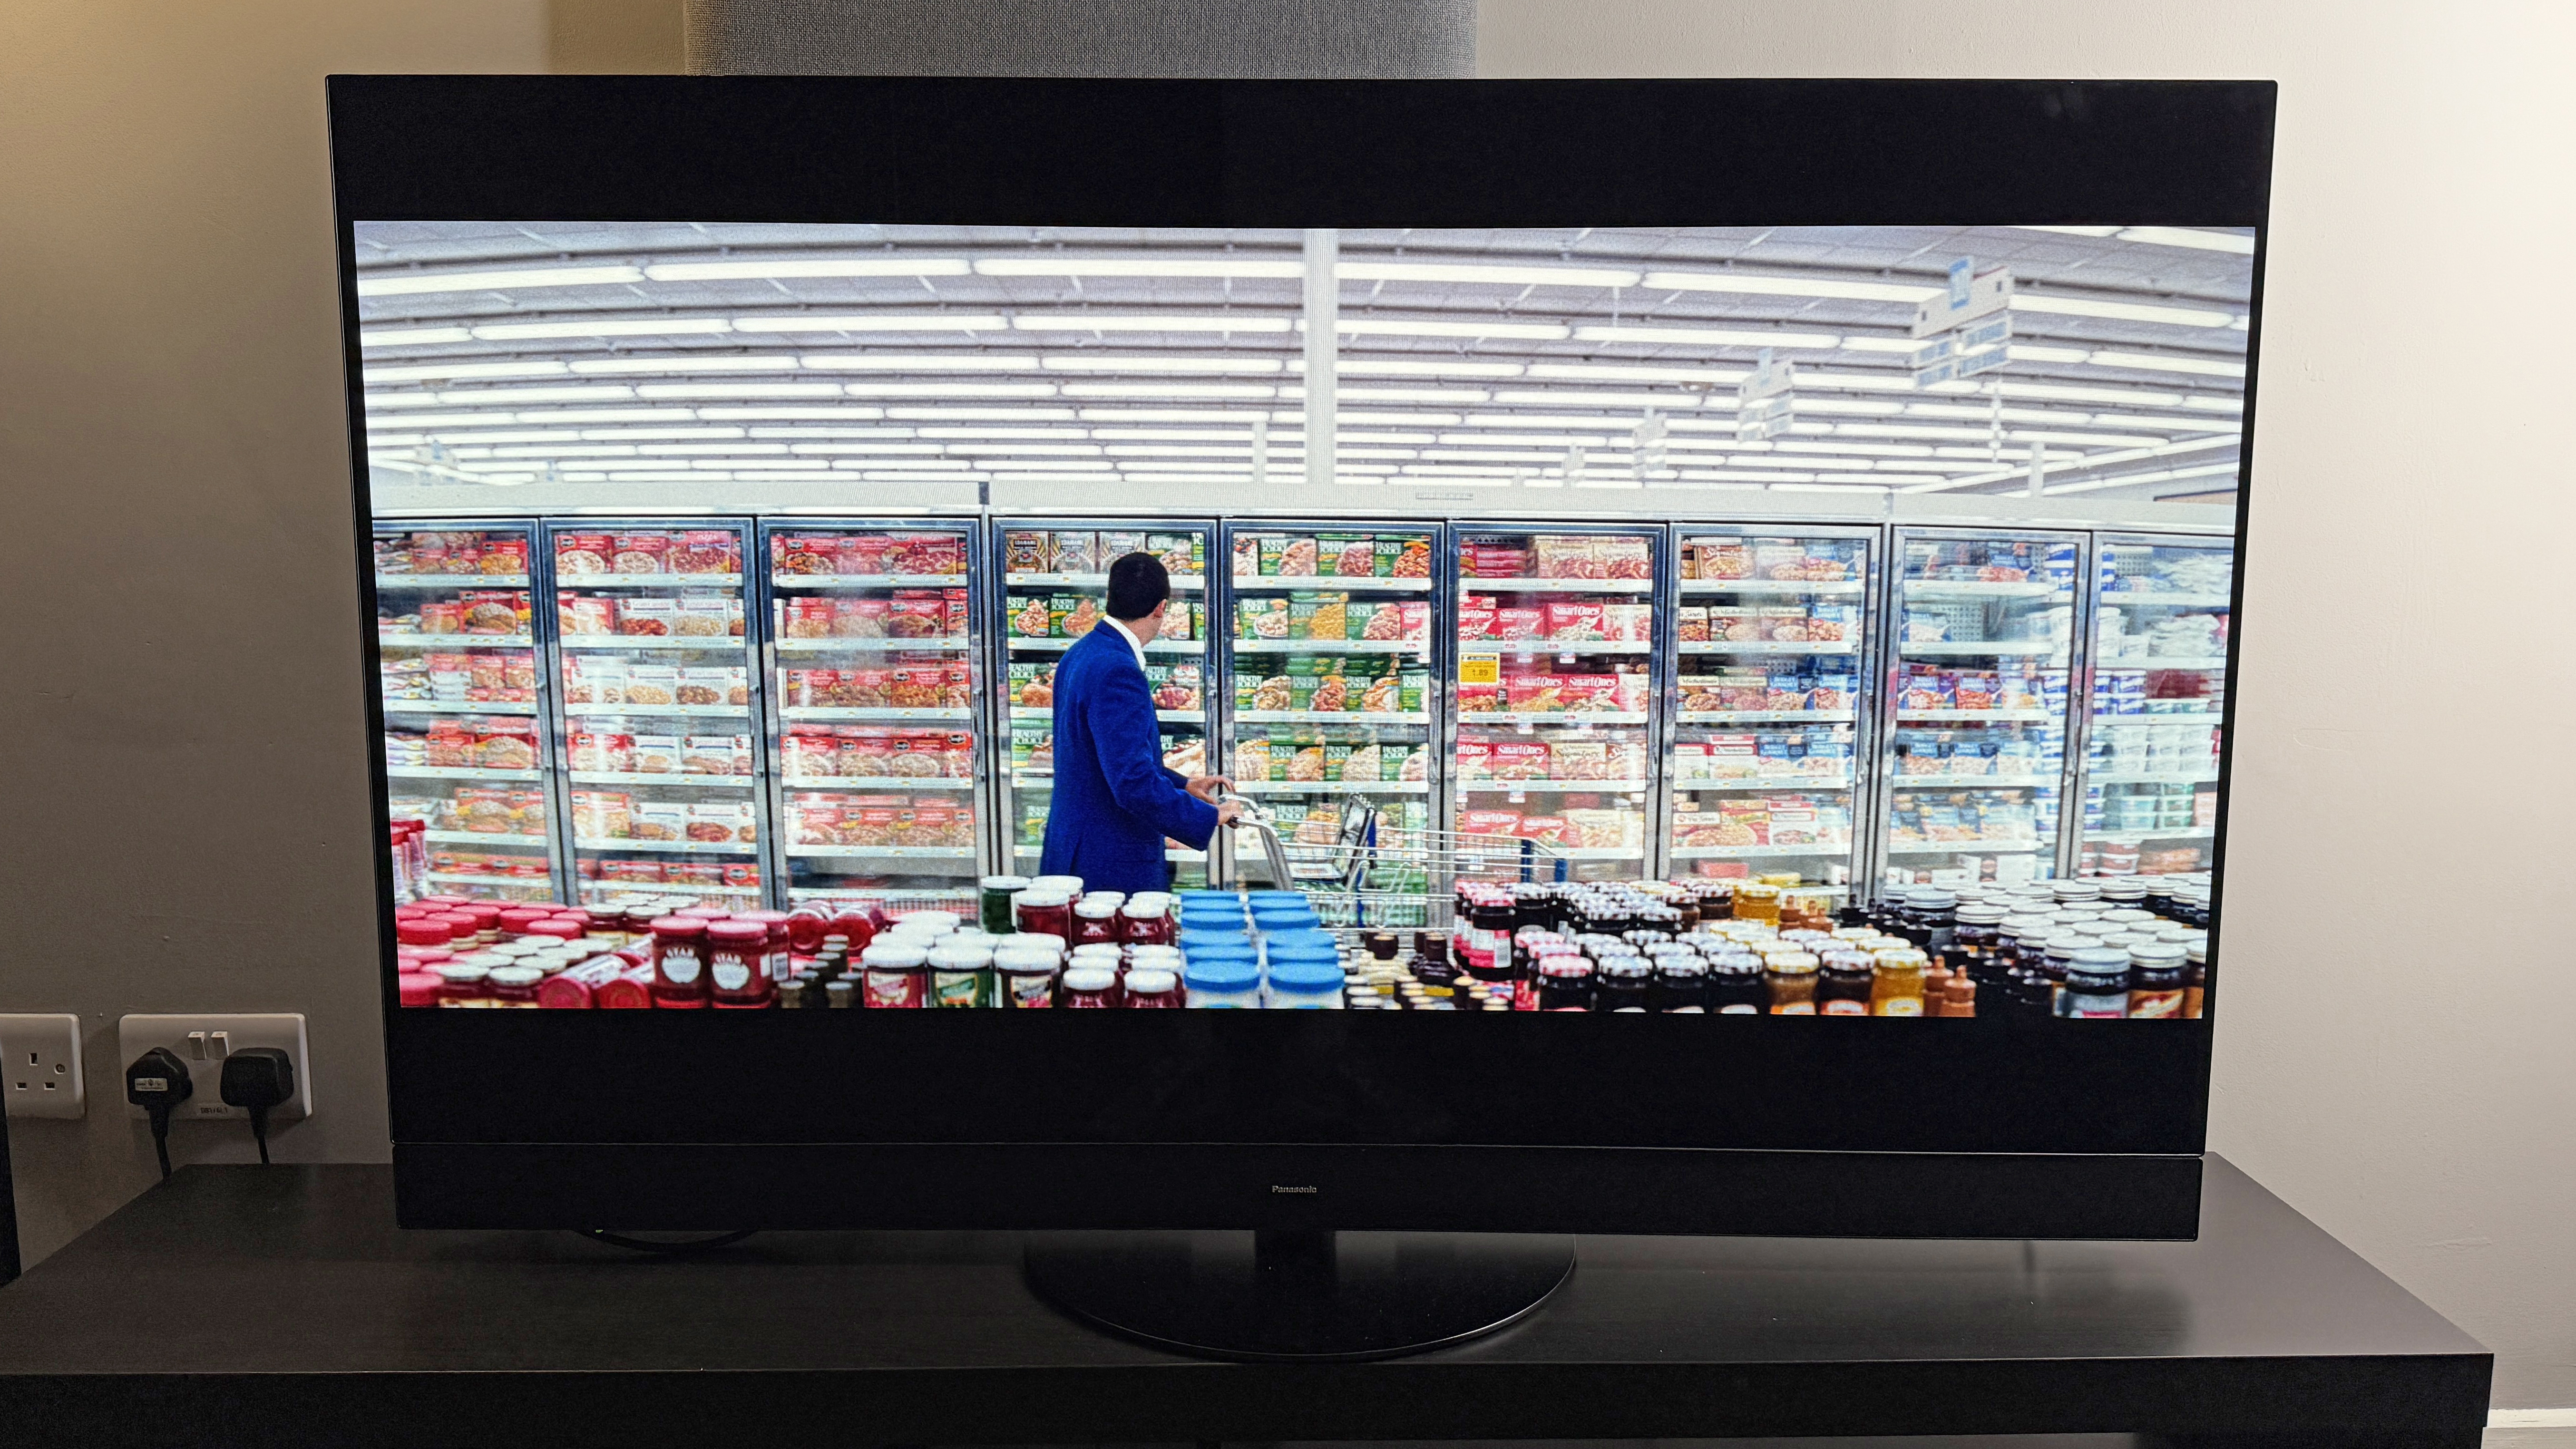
(1639, 548)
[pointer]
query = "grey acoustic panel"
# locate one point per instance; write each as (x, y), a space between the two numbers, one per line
(1247, 39)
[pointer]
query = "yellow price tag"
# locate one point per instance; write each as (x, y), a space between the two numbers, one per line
(1480, 669)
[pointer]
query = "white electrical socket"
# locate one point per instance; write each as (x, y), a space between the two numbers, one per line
(40, 1064)
(203, 1041)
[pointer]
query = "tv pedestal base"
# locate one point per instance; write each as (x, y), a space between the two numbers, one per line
(1281, 1295)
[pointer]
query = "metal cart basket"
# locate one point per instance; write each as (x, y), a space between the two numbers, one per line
(1371, 875)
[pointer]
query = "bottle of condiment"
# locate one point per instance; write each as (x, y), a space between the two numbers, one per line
(737, 963)
(1048, 912)
(2195, 979)
(1152, 987)
(1736, 985)
(1087, 986)
(1755, 901)
(1792, 979)
(897, 975)
(679, 962)
(1959, 997)
(1621, 983)
(1681, 983)
(1843, 984)
(2157, 980)
(993, 902)
(1897, 983)
(1144, 923)
(1564, 983)
(961, 975)
(2097, 984)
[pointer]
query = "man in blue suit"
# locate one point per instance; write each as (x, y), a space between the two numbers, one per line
(1115, 802)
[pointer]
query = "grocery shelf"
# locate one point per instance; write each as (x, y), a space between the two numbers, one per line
(858, 644)
(1152, 646)
(1334, 787)
(2150, 777)
(1488, 786)
(2166, 661)
(1555, 646)
(1556, 586)
(1688, 784)
(1330, 583)
(1030, 714)
(1766, 646)
(1328, 716)
(1784, 588)
(513, 882)
(1975, 782)
(451, 581)
(672, 847)
(1033, 852)
(868, 581)
(1552, 717)
(1980, 648)
(676, 777)
(861, 712)
(464, 772)
(1973, 847)
(1760, 852)
(2138, 837)
(895, 852)
(2133, 598)
(686, 711)
(1763, 716)
(477, 837)
(660, 888)
(455, 641)
(454, 706)
(1333, 646)
(872, 782)
(1977, 716)
(1982, 589)
(2198, 717)
(1470, 855)
(649, 581)
(706, 643)
(1181, 583)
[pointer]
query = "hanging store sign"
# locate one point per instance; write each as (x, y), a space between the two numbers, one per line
(1980, 296)
(1763, 404)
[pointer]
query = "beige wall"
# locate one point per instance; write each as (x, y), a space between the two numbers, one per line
(179, 677)
(2394, 1058)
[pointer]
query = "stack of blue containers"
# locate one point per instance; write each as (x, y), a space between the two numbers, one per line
(1257, 949)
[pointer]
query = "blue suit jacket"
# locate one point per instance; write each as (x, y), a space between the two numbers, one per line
(1114, 801)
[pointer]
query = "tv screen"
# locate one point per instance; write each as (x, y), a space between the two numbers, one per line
(1760, 558)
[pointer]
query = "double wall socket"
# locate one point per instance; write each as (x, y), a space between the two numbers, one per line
(40, 1064)
(203, 1041)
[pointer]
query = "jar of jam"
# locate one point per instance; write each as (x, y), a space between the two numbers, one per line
(1087, 986)
(1791, 977)
(1044, 911)
(961, 975)
(1621, 983)
(1095, 922)
(2157, 978)
(419, 988)
(428, 934)
(856, 921)
(679, 962)
(462, 983)
(1843, 984)
(1143, 923)
(1564, 983)
(513, 986)
(806, 928)
(1023, 979)
(737, 956)
(993, 902)
(1681, 984)
(1067, 886)
(1755, 901)
(1152, 987)
(897, 975)
(1896, 985)
(2097, 984)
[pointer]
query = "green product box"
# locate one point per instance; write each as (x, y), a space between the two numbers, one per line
(1262, 618)
(1025, 740)
(1412, 688)
(1272, 546)
(1388, 551)
(1337, 753)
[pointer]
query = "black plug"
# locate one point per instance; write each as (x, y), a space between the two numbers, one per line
(258, 1078)
(158, 1082)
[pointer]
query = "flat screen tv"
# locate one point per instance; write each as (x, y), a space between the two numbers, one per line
(1759, 557)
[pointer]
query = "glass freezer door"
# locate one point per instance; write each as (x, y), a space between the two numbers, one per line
(872, 658)
(1055, 580)
(1770, 632)
(653, 659)
(1555, 691)
(2159, 665)
(1974, 765)
(464, 703)
(1329, 663)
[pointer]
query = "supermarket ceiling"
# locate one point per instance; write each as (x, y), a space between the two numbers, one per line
(1598, 358)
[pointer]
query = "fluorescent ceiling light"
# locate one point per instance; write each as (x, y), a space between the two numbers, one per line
(1536, 420)
(412, 336)
(1592, 372)
(713, 362)
(842, 414)
(1167, 389)
(984, 414)
(1486, 274)
(919, 362)
(2074, 230)
(994, 433)
(951, 389)
(1050, 450)
(1171, 415)
(511, 396)
(2182, 236)
(1568, 398)
(1789, 286)
(2158, 362)
(412, 284)
(610, 415)
(2132, 480)
(1458, 395)
(1411, 327)
(2121, 311)
(830, 432)
(1353, 367)
(2118, 397)
(739, 389)
(1856, 381)
(2020, 353)
(869, 322)
(1095, 362)
(2215, 404)
(642, 327)
(1044, 265)
(1146, 322)
(1708, 337)
(875, 266)
(464, 369)
(1855, 343)
(869, 449)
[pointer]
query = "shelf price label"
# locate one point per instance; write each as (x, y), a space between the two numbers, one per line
(1480, 668)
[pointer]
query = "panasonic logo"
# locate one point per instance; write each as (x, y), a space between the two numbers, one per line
(1280, 1188)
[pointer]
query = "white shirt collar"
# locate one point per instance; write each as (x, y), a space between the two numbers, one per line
(1134, 646)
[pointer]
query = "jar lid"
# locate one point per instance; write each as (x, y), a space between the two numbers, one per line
(1218, 976)
(678, 927)
(2163, 953)
(516, 976)
(1070, 885)
(1140, 909)
(1006, 883)
(1092, 908)
(937, 922)
(894, 955)
(1901, 957)
(1793, 963)
(1048, 939)
(460, 973)
(419, 988)
(422, 933)
(1677, 966)
(1565, 968)
(2066, 943)
(1151, 981)
(740, 933)
(1019, 960)
(1041, 898)
(1153, 953)
(1304, 976)
(1089, 978)
(1100, 951)
(1980, 915)
(960, 958)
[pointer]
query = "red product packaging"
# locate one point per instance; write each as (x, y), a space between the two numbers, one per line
(864, 553)
(803, 554)
(1590, 692)
(917, 614)
(639, 553)
(862, 618)
(805, 618)
(1519, 760)
(705, 551)
(1546, 829)
(1475, 759)
(958, 614)
(583, 553)
(1490, 822)
(1476, 616)
(1533, 694)
(1573, 619)
(1416, 617)
(502, 556)
(1519, 623)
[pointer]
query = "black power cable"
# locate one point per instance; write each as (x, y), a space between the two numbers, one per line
(158, 1082)
(648, 1245)
(258, 1078)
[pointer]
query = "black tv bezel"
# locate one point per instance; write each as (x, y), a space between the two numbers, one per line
(1986, 1128)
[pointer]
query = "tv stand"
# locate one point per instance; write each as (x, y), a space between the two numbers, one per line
(1287, 1295)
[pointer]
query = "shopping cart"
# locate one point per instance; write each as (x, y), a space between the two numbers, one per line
(1363, 873)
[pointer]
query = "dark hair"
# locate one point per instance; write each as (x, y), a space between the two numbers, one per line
(1137, 582)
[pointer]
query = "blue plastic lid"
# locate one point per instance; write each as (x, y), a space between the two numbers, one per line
(1220, 976)
(1310, 937)
(1273, 923)
(1189, 896)
(1260, 898)
(1219, 951)
(1303, 976)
